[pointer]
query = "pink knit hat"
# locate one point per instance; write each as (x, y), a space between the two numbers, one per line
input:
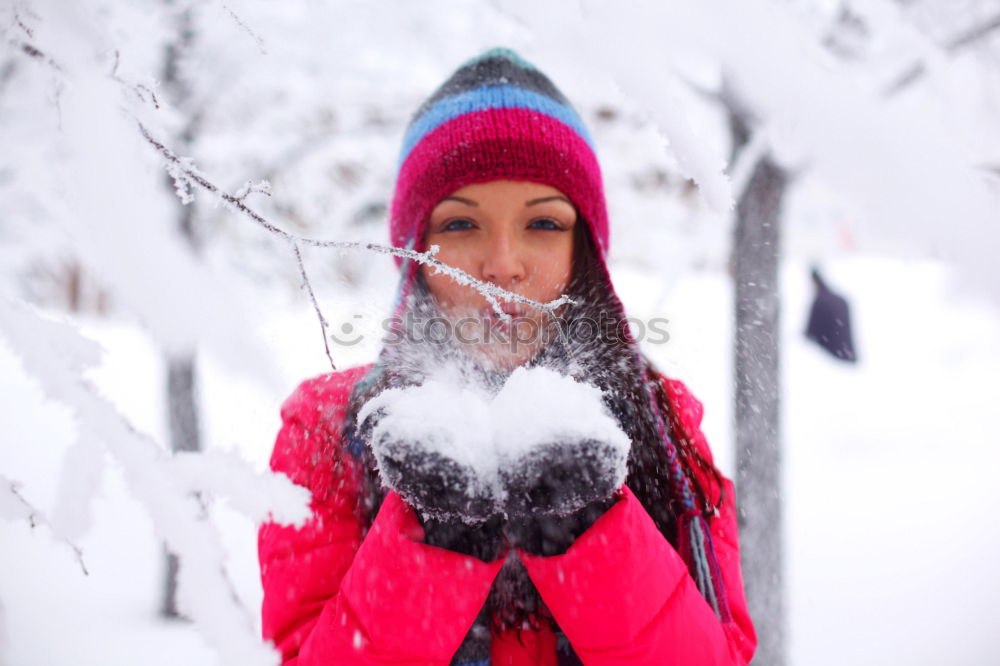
(497, 117)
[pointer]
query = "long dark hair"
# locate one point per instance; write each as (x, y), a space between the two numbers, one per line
(594, 345)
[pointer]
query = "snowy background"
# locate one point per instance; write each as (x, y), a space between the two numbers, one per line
(884, 112)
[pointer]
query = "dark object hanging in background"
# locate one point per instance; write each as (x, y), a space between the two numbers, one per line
(830, 321)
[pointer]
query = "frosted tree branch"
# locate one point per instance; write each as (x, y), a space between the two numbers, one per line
(28, 31)
(963, 40)
(51, 352)
(257, 38)
(250, 187)
(185, 175)
(312, 297)
(139, 89)
(974, 34)
(21, 509)
(36, 53)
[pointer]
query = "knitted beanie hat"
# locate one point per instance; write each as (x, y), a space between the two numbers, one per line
(497, 117)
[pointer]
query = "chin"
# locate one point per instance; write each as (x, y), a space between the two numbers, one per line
(501, 358)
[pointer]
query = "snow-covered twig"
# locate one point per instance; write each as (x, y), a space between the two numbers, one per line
(185, 174)
(961, 41)
(312, 297)
(21, 509)
(973, 34)
(140, 90)
(28, 31)
(226, 474)
(36, 53)
(250, 187)
(257, 38)
(491, 292)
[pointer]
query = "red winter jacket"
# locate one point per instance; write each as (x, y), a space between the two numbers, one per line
(621, 593)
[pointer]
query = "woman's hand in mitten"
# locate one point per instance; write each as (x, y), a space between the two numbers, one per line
(425, 452)
(482, 540)
(437, 486)
(455, 510)
(557, 491)
(557, 479)
(428, 441)
(548, 535)
(562, 457)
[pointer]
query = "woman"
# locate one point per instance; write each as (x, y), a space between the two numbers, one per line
(422, 553)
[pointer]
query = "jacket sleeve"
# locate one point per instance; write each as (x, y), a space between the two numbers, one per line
(623, 595)
(331, 597)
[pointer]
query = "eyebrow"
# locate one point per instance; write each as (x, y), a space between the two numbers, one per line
(467, 202)
(532, 202)
(555, 197)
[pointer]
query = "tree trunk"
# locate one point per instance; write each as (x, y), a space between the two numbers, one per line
(182, 405)
(758, 395)
(184, 436)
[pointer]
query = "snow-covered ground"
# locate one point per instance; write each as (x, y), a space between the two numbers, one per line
(890, 467)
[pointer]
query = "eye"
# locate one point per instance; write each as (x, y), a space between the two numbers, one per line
(546, 224)
(459, 224)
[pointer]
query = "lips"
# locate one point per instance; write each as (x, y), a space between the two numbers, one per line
(507, 308)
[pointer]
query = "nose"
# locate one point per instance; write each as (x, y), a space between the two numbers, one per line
(503, 262)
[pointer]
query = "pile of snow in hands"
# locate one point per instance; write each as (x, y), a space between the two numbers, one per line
(537, 407)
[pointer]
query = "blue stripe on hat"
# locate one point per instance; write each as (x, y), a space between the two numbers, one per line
(489, 97)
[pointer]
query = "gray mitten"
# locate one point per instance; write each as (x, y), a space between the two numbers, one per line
(438, 486)
(433, 445)
(425, 451)
(560, 478)
(562, 458)
(556, 493)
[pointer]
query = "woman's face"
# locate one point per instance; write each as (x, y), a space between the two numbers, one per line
(517, 235)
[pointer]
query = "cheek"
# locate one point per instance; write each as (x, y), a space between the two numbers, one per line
(440, 286)
(445, 290)
(555, 269)
(457, 254)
